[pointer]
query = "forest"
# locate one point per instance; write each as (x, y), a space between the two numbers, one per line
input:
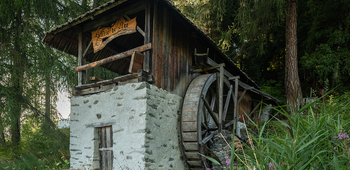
(291, 49)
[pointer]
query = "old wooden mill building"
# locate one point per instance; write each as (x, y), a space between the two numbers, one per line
(176, 90)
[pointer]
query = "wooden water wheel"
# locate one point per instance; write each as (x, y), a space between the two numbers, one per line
(200, 117)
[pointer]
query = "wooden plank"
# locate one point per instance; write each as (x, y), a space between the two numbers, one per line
(191, 146)
(192, 155)
(195, 163)
(103, 139)
(100, 137)
(114, 57)
(221, 97)
(207, 68)
(255, 108)
(189, 116)
(165, 48)
(156, 60)
(108, 137)
(242, 95)
(189, 136)
(206, 139)
(101, 124)
(189, 126)
(104, 159)
(87, 48)
(148, 36)
(95, 79)
(210, 111)
(136, 62)
(235, 106)
(106, 149)
(94, 90)
(228, 98)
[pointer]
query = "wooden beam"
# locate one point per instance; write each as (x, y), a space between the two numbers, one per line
(208, 68)
(147, 64)
(206, 104)
(114, 57)
(137, 27)
(221, 89)
(136, 62)
(95, 79)
(235, 105)
(256, 107)
(228, 97)
(242, 95)
(206, 139)
(87, 48)
(80, 58)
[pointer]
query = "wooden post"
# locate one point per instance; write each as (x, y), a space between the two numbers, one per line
(81, 60)
(236, 104)
(234, 119)
(147, 65)
(228, 98)
(221, 86)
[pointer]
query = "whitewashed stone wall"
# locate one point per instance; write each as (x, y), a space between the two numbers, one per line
(64, 123)
(144, 122)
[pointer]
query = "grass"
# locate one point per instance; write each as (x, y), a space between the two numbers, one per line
(315, 137)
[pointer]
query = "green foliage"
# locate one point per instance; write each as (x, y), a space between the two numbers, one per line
(38, 150)
(327, 54)
(276, 89)
(316, 140)
(306, 141)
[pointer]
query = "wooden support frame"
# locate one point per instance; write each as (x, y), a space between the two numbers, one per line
(81, 60)
(208, 68)
(228, 98)
(136, 62)
(206, 104)
(255, 108)
(114, 57)
(221, 89)
(137, 27)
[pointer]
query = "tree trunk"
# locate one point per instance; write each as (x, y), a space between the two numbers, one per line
(2, 134)
(292, 82)
(17, 76)
(47, 115)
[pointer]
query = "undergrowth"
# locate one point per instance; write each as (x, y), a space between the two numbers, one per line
(315, 137)
(38, 149)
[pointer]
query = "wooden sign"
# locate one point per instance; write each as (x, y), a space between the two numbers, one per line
(121, 27)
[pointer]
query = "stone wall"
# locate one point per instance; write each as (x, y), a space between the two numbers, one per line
(144, 122)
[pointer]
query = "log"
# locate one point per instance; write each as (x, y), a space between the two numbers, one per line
(114, 57)
(95, 79)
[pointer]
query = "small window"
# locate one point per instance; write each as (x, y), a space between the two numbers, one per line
(106, 147)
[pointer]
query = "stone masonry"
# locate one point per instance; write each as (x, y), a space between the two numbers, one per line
(144, 121)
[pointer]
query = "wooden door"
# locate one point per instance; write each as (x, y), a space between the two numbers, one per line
(106, 148)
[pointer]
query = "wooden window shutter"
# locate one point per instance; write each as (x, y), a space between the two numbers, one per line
(106, 147)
